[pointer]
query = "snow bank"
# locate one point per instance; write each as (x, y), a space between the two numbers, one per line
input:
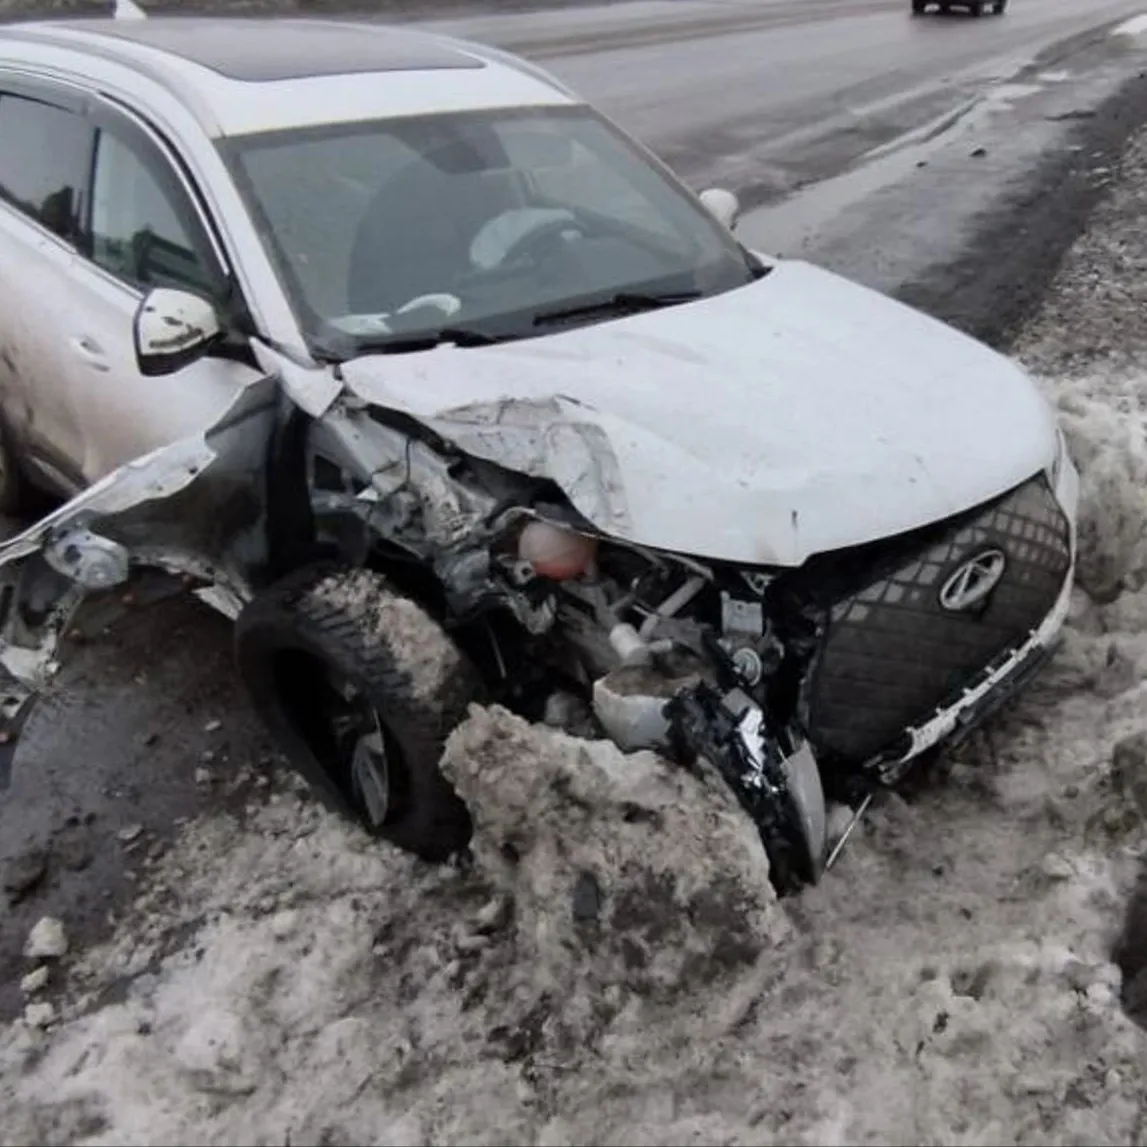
(305, 984)
(1109, 443)
(627, 879)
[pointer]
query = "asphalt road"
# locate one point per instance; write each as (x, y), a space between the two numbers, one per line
(764, 96)
(148, 724)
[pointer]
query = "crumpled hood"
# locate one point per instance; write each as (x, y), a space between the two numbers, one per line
(799, 414)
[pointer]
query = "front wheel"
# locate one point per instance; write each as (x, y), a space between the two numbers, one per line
(919, 7)
(362, 687)
(977, 7)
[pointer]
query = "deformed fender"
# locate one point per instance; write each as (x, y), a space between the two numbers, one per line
(127, 518)
(311, 388)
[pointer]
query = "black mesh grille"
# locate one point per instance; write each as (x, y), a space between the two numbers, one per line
(892, 654)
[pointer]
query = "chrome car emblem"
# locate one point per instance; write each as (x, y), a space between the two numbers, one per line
(973, 580)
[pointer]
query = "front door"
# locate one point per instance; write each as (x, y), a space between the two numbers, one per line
(45, 160)
(144, 229)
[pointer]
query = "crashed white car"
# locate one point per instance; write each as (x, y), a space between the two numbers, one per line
(444, 388)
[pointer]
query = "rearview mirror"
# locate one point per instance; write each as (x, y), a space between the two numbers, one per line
(483, 150)
(540, 149)
(723, 205)
(172, 329)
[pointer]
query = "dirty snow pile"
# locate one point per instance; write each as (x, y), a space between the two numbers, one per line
(295, 982)
(613, 967)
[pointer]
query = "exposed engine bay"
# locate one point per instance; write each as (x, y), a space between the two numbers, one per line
(752, 669)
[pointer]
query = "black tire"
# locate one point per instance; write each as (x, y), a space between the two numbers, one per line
(327, 641)
(1001, 7)
(919, 7)
(976, 7)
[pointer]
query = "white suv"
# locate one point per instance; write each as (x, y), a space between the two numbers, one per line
(444, 388)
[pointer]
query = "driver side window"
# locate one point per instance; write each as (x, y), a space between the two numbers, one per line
(143, 228)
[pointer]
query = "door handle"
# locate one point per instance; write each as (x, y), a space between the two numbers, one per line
(86, 348)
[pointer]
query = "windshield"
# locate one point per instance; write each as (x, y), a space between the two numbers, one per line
(486, 224)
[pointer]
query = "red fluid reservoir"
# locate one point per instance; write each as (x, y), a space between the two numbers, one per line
(556, 553)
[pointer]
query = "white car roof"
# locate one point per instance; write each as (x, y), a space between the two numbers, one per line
(242, 75)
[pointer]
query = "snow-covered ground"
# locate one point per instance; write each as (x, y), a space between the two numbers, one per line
(614, 969)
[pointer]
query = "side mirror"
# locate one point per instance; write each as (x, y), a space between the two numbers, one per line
(723, 205)
(172, 329)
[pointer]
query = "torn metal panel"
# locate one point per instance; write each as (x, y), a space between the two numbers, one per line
(155, 476)
(545, 439)
(408, 493)
(311, 388)
(162, 510)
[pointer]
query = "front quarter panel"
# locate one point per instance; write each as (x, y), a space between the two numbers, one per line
(196, 507)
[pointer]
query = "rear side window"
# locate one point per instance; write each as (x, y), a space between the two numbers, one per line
(45, 155)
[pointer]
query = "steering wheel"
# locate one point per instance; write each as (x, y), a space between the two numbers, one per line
(545, 230)
(447, 304)
(383, 322)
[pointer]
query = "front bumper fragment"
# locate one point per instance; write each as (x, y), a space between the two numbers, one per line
(1003, 678)
(995, 686)
(781, 791)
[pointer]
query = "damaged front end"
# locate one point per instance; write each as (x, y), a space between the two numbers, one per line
(682, 658)
(673, 654)
(798, 684)
(823, 682)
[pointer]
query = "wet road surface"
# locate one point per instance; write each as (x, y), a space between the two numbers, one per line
(764, 96)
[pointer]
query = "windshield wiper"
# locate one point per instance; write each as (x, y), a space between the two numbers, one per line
(623, 302)
(406, 344)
